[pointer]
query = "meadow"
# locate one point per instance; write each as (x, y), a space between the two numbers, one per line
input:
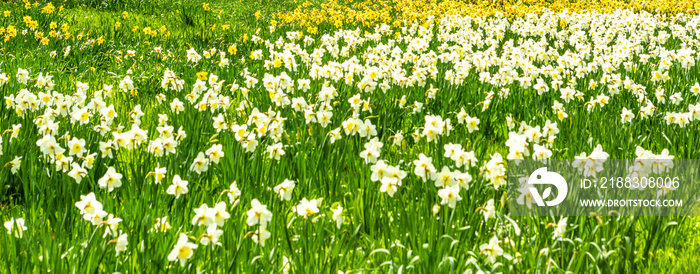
(333, 136)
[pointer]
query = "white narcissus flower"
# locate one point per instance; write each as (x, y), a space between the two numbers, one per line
(202, 216)
(450, 195)
(489, 210)
(211, 236)
(472, 123)
(215, 153)
(110, 180)
(88, 206)
(695, 89)
(324, 118)
(626, 115)
(233, 192)
(220, 123)
(559, 229)
(389, 185)
(159, 174)
(285, 189)
(112, 224)
(76, 147)
(182, 250)
(81, 116)
(219, 214)
(258, 214)
(462, 116)
(200, 164)
(126, 84)
(541, 152)
(491, 249)
(16, 227)
(193, 56)
(444, 178)
(275, 151)
(77, 172)
(178, 187)
(424, 167)
(15, 163)
(338, 215)
(121, 244)
(261, 235)
(98, 217)
(307, 208)
(379, 171)
(22, 76)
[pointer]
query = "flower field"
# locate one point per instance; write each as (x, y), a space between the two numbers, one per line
(334, 137)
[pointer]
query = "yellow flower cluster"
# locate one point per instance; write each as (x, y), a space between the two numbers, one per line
(403, 12)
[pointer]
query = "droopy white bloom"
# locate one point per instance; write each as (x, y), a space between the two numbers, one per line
(49, 146)
(202, 216)
(559, 229)
(491, 249)
(284, 189)
(489, 210)
(379, 170)
(550, 129)
(177, 106)
(88, 206)
(626, 115)
(77, 172)
(307, 208)
(463, 158)
(450, 195)
(275, 151)
(324, 118)
(389, 185)
(200, 164)
(338, 215)
(15, 163)
(372, 150)
(494, 170)
(16, 227)
(178, 187)
(121, 244)
(219, 214)
(261, 235)
(98, 217)
(22, 76)
(258, 214)
(444, 178)
(159, 174)
(126, 84)
(462, 116)
(424, 167)
(233, 192)
(599, 154)
(541, 152)
(109, 113)
(215, 153)
(192, 56)
(112, 224)
(525, 196)
(211, 236)
(182, 250)
(110, 180)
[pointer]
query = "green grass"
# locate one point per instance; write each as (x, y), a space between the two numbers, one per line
(380, 233)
